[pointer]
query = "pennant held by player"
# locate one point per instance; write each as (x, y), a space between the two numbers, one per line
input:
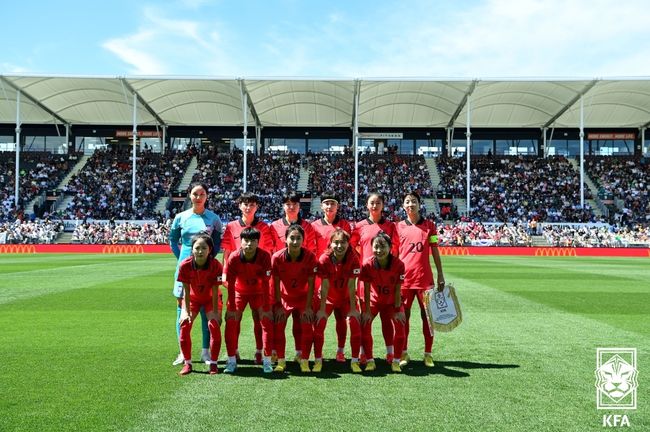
(443, 309)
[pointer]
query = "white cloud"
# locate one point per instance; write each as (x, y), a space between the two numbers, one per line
(163, 46)
(521, 38)
(9, 68)
(492, 38)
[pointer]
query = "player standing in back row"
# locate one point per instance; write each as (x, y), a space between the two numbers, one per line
(248, 206)
(418, 238)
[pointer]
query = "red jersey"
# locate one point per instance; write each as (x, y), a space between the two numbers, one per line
(415, 243)
(279, 231)
(231, 237)
(323, 230)
(200, 281)
(365, 230)
(382, 281)
(294, 275)
(249, 277)
(338, 274)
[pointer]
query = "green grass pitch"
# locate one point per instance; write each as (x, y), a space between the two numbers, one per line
(87, 343)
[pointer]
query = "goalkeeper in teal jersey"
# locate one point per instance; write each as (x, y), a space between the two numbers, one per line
(186, 225)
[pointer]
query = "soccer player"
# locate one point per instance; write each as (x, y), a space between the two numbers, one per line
(185, 226)
(361, 239)
(248, 274)
(200, 275)
(323, 228)
(248, 206)
(382, 276)
(291, 209)
(339, 267)
(293, 270)
(418, 238)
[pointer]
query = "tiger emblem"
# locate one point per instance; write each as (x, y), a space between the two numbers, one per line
(616, 378)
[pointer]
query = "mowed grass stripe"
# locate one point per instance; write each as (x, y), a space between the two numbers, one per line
(622, 302)
(83, 359)
(523, 366)
(98, 359)
(44, 275)
(556, 271)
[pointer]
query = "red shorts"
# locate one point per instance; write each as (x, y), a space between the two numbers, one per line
(256, 301)
(408, 295)
(195, 307)
(387, 309)
(343, 306)
(290, 305)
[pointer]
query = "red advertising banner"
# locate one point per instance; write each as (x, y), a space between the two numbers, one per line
(444, 250)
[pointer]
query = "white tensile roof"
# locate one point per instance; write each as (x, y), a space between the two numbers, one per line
(382, 103)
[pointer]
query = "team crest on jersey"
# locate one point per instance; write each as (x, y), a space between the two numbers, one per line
(356, 271)
(268, 272)
(401, 277)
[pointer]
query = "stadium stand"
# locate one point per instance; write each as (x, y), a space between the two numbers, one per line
(39, 172)
(474, 233)
(597, 236)
(270, 176)
(624, 184)
(102, 190)
(121, 233)
(517, 189)
(391, 174)
(28, 232)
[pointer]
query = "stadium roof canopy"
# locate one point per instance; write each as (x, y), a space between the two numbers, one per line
(382, 103)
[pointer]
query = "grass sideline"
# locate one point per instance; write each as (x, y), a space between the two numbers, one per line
(88, 340)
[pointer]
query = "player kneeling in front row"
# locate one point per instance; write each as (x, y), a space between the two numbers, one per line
(248, 273)
(338, 268)
(382, 276)
(201, 277)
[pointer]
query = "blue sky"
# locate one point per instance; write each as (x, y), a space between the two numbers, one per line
(291, 38)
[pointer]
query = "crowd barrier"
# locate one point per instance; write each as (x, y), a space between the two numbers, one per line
(444, 250)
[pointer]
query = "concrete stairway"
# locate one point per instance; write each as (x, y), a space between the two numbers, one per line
(189, 173)
(461, 205)
(432, 204)
(596, 204)
(63, 204)
(434, 173)
(75, 170)
(303, 180)
(183, 185)
(315, 205)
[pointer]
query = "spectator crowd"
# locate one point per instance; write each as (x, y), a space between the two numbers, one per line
(517, 189)
(626, 180)
(507, 193)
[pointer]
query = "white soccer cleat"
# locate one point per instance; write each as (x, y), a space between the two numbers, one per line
(179, 360)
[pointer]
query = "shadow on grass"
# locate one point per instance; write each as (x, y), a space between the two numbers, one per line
(334, 370)
(450, 368)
